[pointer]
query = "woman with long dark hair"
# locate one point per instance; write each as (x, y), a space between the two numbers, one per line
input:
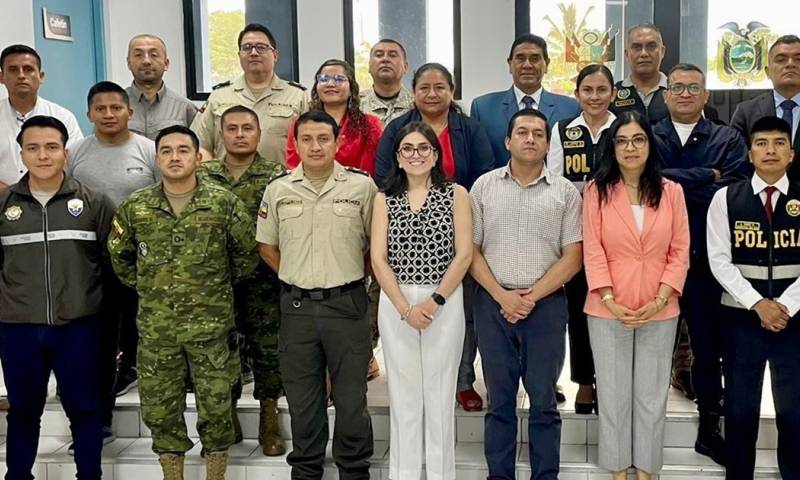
(335, 91)
(421, 248)
(636, 255)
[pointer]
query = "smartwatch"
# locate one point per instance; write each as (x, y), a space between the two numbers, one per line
(439, 299)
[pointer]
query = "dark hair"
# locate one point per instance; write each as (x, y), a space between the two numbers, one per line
(591, 70)
(528, 112)
(447, 76)
(107, 87)
(784, 40)
(687, 67)
(396, 181)
(608, 173)
(530, 38)
(319, 116)
(44, 121)
(239, 109)
(390, 40)
(358, 123)
(178, 129)
(256, 27)
(19, 49)
(642, 26)
(771, 124)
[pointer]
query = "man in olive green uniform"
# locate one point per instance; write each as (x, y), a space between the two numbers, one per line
(181, 244)
(246, 173)
(276, 101)
(388, 98)
(313, 229)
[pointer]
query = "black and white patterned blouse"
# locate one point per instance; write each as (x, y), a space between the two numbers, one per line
(421, 244)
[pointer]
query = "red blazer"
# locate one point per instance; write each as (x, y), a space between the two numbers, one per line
(633, 265)
(354, 150)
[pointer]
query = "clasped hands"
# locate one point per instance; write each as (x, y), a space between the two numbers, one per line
(633, 318)
(774, 315)
(516, 304)
(421, 315)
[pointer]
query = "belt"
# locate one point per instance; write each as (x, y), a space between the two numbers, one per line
(321, 293)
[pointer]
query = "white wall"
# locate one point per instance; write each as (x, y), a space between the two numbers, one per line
(16, 26)
(320, 35)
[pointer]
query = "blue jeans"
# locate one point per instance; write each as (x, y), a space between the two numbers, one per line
(29, 353)
(533, 350)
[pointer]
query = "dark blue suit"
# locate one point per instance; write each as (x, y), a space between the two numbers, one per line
(494, 111)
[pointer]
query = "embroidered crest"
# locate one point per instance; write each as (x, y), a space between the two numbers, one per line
(144, 250)
(13, 213)
(75, 207)
(623, 93)
(574, 133)
(263, 212)
(793, 207)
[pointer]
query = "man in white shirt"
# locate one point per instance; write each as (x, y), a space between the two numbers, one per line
(754, 253)
(21, 73)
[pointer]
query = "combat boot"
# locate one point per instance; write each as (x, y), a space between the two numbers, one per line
(216, 464)
(171, 466)
(269, 433)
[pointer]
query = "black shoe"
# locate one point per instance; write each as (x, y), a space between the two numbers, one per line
(560, 398)
(126, 380)
(712, 446)
(682, 381)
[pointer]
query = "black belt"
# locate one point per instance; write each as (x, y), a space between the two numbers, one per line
(321, 293)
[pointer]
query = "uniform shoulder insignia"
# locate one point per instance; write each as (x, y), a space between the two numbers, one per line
(287, 172)
(357, 170)
(221, 84)
(296, 85)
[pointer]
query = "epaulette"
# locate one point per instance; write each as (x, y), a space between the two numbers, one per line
(357, 170)
(296, 85)
(287, 172)
(221, 84)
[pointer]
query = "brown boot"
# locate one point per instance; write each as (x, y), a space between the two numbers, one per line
(216, 464)
(269, 433)
(171, 466)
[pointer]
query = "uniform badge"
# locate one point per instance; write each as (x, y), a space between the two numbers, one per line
(574, 133)
(623, 93)
(75, 207)
(143, 249)
(116, 232)
(263, 211)
(793, 207)
(13, 213)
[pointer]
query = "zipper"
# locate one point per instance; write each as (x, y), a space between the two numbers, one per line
(770, 241)
(47, 279)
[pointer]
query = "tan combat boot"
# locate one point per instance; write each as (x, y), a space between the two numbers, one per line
(269, 434)
(216, 464)
(171, 466)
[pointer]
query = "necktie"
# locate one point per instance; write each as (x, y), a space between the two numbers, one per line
(768, 204)
(528, 101)
(787, 106)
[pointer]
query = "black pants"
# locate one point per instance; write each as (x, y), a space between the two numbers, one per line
(747, 349)
(330, 334)
(581, 363)
(29, 354)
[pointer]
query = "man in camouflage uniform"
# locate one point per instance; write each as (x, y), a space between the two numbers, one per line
(181, 244)
(388, 98)
(275, 100)
(256, 299)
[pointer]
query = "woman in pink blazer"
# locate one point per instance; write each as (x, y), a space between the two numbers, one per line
(636, 254)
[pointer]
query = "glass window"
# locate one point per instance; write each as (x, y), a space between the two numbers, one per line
(425, 28)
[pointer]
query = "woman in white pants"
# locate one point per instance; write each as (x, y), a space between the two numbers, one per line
(421, 248)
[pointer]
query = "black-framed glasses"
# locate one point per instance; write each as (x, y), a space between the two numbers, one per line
(678, 88)
(424, 150)
(338, 79)
(638, 141)
(261, 48)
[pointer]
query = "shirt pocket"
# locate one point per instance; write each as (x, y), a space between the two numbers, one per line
(290, 220)
(278, 118)
(348, 220)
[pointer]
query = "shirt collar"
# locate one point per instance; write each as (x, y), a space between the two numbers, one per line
(759, 184)
(536, 96)
(779, 98)
(505, 172)
(581, 121)
(139, 96)
(663, 82)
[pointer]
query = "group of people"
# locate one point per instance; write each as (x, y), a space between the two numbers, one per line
(288, 230)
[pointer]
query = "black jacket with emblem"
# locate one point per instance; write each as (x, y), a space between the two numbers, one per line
(52, 257)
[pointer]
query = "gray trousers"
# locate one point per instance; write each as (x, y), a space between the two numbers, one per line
(633, 370)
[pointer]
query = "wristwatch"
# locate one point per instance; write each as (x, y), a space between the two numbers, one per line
(439, 299)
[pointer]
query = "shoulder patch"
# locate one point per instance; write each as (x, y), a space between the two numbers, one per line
(357, 170)
(221, 84)
(296, 85)
(287, 172)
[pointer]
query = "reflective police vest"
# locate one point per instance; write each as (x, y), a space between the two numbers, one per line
(767, 254)
(579, 150)
(628, 99)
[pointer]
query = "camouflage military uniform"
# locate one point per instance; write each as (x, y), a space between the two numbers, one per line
(256, 298)
(387, 110)
(182, 268)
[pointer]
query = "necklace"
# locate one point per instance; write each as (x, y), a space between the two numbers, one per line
(633, 185)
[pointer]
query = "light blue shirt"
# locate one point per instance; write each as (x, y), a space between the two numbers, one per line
(795, 110)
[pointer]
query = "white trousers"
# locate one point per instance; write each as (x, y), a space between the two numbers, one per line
(421, 368)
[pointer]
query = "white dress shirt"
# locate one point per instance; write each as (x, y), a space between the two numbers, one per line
(555, 155)
(719, 249)
(536, 96)
(795, 111)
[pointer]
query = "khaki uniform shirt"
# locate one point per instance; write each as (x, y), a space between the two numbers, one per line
(168, 109)
(387, 110)
(322, 237)
(275, 107)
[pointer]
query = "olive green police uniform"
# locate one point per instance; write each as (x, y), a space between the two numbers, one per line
(322, 238)
(275, 108)
(183, 268)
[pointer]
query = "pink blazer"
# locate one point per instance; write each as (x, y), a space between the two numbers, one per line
(633, 265)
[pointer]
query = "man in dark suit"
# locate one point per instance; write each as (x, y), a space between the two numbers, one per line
(527, 63)
(783, 69)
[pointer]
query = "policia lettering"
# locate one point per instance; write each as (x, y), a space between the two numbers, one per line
(579, 150)
(751, 235)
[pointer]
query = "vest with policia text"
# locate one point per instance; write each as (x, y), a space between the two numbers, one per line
(767, 255)
(628, 99)
(579, 150)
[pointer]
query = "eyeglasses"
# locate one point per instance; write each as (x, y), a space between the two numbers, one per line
(338, 79)
(678, 89)
(424, 150)
(638, 141)
(261, 48)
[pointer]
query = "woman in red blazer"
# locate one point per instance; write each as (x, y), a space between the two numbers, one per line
(636, 254)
